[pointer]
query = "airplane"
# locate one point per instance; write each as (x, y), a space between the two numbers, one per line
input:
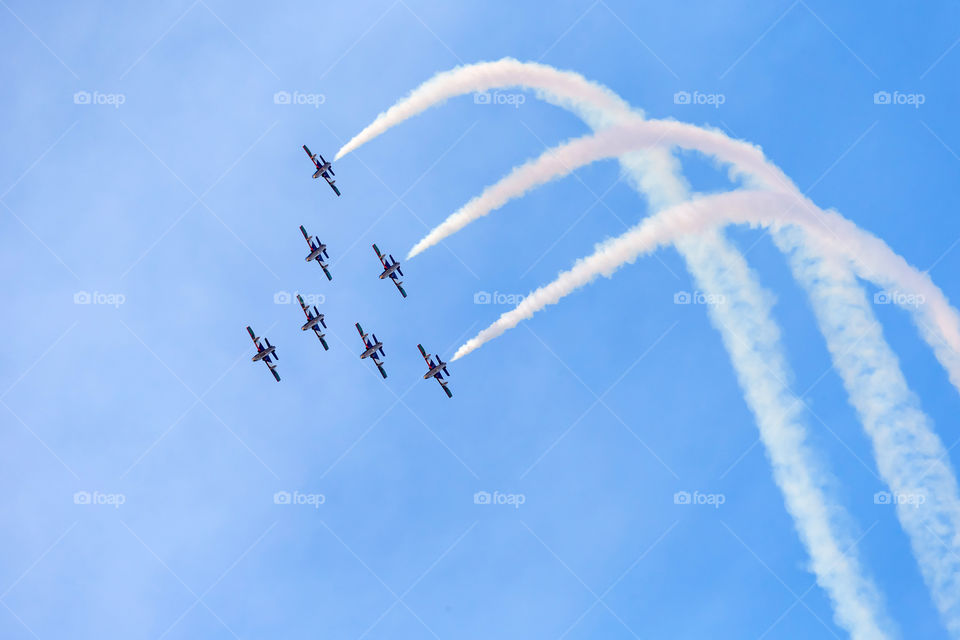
(265, 353)
(391, 270)
(313, 319)
(372, 347)
(316, 250)
(435, 370)
(324, 169)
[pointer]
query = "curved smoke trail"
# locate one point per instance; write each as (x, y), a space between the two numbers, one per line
(595, 104)
(559, 161)
(720, 268)
(909, 454)
(938, 320)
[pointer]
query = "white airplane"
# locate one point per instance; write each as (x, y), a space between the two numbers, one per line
(324, 170)
(372, 348)
(436, 370)
(314, 321)
(265, 353)
(317, 249)
(391, 269)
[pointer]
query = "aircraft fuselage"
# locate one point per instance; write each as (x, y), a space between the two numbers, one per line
(315, 254)
(263, 354)
(312, 322)
(371, 351)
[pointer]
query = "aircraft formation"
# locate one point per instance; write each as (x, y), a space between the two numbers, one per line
(372, 347)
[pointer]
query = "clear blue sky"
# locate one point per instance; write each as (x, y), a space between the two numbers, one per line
(185, 200)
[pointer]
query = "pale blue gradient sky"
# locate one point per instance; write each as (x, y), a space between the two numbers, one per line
(186, 201)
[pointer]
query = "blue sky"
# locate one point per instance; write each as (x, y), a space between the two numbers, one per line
(183, 203)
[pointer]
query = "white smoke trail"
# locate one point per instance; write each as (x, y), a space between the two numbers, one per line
(616, 141)
(910, 457)
(595, 104)
(717, 267)
(939, 323)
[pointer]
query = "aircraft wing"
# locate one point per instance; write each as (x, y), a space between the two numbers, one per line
(400, 288)
(360, 330)
(383, 259)
(310, 155)
(426, 356)
(306, 236)
(275, 374)
(323, 342)
(326, 271)
(332, 186)
(256, 340)
(303, 306)
(446, 390)
(381, 369)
